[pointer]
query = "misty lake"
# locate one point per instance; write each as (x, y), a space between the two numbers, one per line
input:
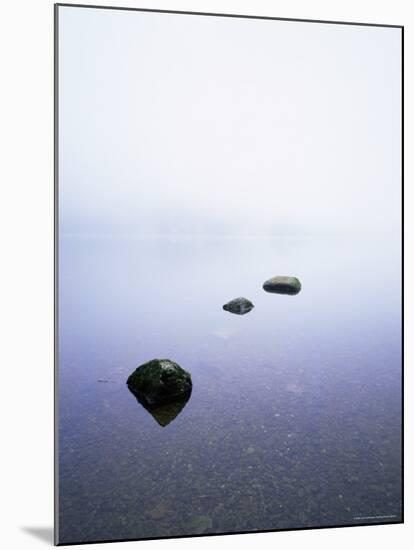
(295, 414)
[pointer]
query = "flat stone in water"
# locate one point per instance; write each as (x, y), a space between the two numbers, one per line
(283, 285)
(239, 306)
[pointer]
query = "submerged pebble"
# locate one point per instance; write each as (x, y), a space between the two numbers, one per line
(200, 524)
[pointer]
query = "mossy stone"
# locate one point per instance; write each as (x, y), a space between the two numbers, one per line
(160, 381)
(239, 306)
(283, 285)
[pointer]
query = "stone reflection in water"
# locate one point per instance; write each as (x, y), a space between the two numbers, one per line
(165, 413)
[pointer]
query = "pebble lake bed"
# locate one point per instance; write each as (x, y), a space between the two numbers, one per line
(294, 414)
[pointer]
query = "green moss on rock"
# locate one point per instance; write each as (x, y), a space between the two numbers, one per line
(159, 381)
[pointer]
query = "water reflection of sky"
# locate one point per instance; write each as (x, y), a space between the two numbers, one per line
(294, 417)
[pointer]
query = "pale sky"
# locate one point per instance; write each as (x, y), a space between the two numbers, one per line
(183, 124)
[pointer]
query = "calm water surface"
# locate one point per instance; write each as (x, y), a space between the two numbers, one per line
(295, 414)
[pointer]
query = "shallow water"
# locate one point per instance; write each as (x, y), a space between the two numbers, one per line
(295, 414)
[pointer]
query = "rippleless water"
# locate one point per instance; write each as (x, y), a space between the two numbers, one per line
(295, 414)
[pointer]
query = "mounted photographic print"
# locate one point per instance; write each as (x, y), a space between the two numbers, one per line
(228, 274)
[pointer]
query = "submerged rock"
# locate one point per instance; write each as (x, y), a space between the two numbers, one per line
(160, 510)
(200, 524)
(283, 285)
(240, 306)
(162, 387)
